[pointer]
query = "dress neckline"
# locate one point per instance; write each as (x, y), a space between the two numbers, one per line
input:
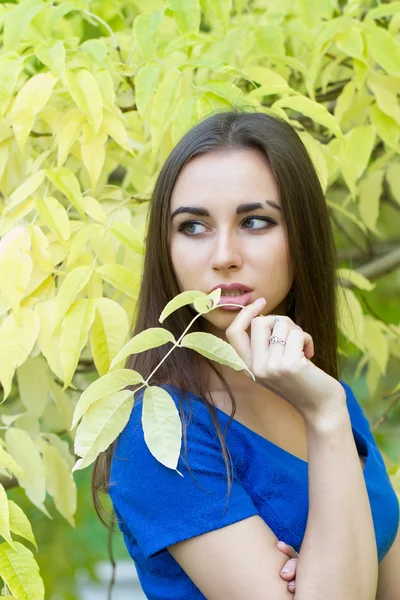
(360, 440)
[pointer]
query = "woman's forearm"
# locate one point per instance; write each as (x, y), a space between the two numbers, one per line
(338, 557)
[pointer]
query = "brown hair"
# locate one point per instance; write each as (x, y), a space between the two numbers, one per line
(311, 302)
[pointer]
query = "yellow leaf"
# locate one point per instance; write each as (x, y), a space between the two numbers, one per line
(184, 118)
(72, 285)
(24, 450)
(180, 300)
(115, 128)
(214, 348)
(266, 78)
(64, 406)
(350, 317)
(145, 30)
(19, 523)
(70, 127)
(370, 190)
(40, 252)
(33, 385)
(106, 86)
(345, 100)
(187, 14)
(386, 100)
(347, 214)
(15, 274)
(26, 189)
(17, 338)
(121, 278)
(18, 20)
(149, 338)
(94, 209)
(356, 279)
(20, 572)
(351, 41)
(376, 342)
(386, 127)
(103, 246)
(102, 387)
(314, 150)
(85, 91)
(101, 425)
(52, 54)
(359, 145)
(49, 341)
(163, 107)
(54, 215)
(384, 48)
(74, 334)
(128, 236)
(162, 427)
(309, 108)
(393, 177)
(30, 100)
(68, 185)
(10, 69)
(5, 517)
(7, 462)
(94, 154)
(108, 334)
(80, 240)
(146, 81)
(59, 480)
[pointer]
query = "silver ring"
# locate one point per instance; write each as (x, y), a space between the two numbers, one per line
(275, 339)
(275, 318)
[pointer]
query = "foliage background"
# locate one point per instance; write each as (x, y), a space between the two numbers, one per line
(93, 97)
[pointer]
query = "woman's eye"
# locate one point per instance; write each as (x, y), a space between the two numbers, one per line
(184, 226)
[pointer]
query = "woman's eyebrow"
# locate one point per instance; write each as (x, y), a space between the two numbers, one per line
(203, 212)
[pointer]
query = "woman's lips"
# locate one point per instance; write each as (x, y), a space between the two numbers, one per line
(243, 300)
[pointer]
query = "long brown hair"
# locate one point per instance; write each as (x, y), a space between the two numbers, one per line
(311, 302)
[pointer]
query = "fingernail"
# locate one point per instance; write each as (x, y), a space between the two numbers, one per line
(284, 571)
(260, 301)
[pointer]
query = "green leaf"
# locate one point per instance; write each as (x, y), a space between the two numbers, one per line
(162, 427)
(5, 517)
(370, 191)
(386, 127)
(393, 178)
(27, 188)
(351, 42)
(72, 285)
(68, 185)
(85, 91)
(52, 54)
(101, 425)
(30, 100)
(187, 14)
(385, 98)
(146, 81)
(20, 572)
(145, 29)
(350, 317)
(128, 236)
(75, 329)
(17, 22)
(309, 108)
(376, 342)
(108, 334)
(102, 387)
(19, 523)
(121, 278)
(164, 105)
(210, 346)
(149, 338)
(357, 279)
(180, 300)
(54, 215)
(359, 145)
(384, 48)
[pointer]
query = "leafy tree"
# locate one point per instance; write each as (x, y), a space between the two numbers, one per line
(93, 97)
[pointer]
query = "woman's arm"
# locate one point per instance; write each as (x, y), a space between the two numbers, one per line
(338, 557)
(389, 573)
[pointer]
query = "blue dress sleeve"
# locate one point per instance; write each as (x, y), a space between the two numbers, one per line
(159, 507)
(360, 421)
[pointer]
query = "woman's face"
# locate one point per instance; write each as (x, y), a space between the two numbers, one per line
(224, 247)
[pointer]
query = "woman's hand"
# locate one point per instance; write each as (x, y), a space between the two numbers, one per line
(291, 565)
(285, 369)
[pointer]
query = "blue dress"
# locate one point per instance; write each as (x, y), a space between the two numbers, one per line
(156, 507)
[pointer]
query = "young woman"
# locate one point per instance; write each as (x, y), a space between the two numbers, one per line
(238, 205)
